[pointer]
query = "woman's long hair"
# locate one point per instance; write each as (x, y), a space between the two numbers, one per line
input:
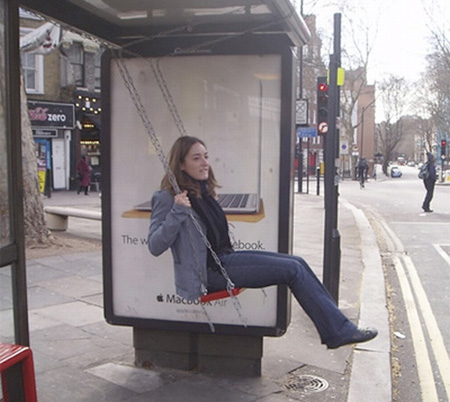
(177, 156)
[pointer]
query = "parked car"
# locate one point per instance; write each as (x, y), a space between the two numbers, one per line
(396, 172)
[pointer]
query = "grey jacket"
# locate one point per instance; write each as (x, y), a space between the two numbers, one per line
(172, 227)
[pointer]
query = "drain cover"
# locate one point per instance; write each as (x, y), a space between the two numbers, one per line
(307, 384)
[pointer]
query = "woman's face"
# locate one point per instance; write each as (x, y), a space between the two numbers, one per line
(196, 162)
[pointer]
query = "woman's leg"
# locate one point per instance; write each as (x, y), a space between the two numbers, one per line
(254, 269)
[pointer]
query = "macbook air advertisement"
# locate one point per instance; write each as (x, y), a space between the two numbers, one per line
(231, 102)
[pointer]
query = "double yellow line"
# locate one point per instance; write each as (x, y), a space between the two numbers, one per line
(417, 305)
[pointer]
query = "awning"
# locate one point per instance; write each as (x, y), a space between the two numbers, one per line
(121, 22)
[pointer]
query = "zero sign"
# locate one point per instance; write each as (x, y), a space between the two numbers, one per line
(323, 128)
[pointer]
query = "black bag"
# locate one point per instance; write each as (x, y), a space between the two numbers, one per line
(424, 172)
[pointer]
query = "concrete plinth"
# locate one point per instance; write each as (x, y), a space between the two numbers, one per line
(208, 353)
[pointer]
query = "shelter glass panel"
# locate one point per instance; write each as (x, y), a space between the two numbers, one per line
(6, 306)
(5, 230)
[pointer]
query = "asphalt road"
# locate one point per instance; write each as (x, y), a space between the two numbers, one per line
(416, 255)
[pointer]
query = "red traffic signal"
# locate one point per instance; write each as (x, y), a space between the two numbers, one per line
(322, 105)
(443, 149)
(323, 87)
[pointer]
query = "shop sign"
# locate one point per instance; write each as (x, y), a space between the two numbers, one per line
(49, 114)
(43, 133)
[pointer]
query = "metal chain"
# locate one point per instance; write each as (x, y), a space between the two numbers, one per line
(180, 126)
(162, 84)
(160, 153)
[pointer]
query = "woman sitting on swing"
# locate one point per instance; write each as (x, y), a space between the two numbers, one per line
(171, 227)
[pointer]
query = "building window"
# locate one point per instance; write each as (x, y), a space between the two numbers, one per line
(33, 69)
(97, 70)
(33, 73)
(76, 57)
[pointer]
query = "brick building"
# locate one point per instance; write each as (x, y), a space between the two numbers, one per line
(63, 90)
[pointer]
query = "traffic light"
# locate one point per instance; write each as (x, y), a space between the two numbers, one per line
(322, 105)
(443, 149)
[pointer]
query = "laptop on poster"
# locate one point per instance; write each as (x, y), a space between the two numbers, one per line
(247, 203)
(238, 203)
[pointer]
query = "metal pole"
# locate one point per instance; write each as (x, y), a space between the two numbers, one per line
(300, 167)
(362, 131)
(307, 165)
(318, 180)
(300, 96)
(332, 252)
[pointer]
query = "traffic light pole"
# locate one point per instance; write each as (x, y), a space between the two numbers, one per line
(332, 238)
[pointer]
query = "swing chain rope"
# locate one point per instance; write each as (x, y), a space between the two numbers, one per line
(137, 101)
(179, 124)
(162, 84)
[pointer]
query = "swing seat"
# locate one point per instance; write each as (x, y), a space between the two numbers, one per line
(221, 294)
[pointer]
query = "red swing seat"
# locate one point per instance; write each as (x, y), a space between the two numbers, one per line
(221, 294)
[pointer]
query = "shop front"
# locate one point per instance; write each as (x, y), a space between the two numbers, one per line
(88, 109)
(52, 124)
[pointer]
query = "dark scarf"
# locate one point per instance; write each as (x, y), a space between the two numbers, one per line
(216, 223)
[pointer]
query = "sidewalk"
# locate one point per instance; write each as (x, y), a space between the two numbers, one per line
(79, 357)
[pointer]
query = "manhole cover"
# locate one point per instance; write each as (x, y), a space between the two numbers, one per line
(307, 384)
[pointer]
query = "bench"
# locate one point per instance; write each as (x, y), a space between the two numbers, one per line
(17, 373)
(57, 217)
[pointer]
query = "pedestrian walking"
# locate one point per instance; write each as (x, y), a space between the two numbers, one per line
(84, 175)
(198, 263)
(429, 181)
(363, 168)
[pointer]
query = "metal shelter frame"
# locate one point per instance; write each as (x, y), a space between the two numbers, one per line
(127, 24)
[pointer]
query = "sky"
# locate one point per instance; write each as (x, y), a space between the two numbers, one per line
(399, 30)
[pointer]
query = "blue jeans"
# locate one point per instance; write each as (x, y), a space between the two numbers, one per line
(258, 269)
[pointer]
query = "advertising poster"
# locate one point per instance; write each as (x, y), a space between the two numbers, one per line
(232, 103)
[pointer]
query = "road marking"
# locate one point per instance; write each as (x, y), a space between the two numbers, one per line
(442, 253)
(424, 369)
(419, 223)
(411, 286)
(437, 342)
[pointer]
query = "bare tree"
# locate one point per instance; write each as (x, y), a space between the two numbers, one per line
(357, 43)
(426, 129)
(438, 74)
(389, 133)
(433, 100)
(36, 232)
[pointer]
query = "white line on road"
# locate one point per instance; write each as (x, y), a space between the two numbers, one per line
(424, 369)
(442, 253)
(437, 342)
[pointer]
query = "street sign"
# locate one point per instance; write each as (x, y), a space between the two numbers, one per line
(322, 128)
(304, 132)
(301, 112)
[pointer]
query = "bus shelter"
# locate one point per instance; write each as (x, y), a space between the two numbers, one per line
(224, 71)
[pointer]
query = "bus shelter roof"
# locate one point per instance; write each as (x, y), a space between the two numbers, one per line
(122, 22)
